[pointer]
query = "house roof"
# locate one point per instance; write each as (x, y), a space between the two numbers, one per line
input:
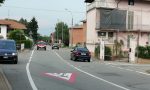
(13, 24)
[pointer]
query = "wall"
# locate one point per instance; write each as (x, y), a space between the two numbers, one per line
(78, 36)
(143, 38)
(91, 33)
(3, 31)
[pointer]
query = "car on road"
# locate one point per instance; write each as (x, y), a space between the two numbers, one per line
(8, 51)
(41, 45)
(55, 46)
(81, 53)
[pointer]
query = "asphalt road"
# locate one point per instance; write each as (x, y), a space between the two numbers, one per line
(53, 70)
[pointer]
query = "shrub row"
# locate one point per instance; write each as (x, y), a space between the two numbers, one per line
(144, 52)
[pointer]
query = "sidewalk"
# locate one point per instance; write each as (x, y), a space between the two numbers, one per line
(137, 67)
(4, 84)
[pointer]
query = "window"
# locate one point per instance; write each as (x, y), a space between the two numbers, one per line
(110, 34)
(100, 34)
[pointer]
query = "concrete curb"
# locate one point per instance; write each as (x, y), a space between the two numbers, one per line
(5, 85)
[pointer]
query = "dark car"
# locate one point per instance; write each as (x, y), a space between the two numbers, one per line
(41, 45)
(55, 46)
(8, 51)
(81, 53)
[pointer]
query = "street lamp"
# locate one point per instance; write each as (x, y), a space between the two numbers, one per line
(71, 26)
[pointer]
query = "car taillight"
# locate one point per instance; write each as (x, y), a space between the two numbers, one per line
(89, 53)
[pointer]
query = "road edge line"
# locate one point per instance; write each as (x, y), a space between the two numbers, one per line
(29, 74)
(90, 74)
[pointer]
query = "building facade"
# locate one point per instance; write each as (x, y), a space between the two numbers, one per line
(111, 20)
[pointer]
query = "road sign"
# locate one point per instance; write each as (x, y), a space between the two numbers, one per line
(64, 76)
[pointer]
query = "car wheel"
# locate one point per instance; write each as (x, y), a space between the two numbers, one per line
(89, 60)
(45, 49)
(37, 48)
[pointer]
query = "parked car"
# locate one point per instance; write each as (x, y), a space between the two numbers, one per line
(55, 46)
(41, 45)
(81, 53)
(8, 51)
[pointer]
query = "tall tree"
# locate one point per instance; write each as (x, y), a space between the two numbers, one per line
(33, 27)
(62, 32)
(2, 1)
(25, 22)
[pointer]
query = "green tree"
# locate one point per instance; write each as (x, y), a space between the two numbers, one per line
(25, 22)
(17, 35)
(62, 32)
(33, 27)
(44, 38)
(2, 1)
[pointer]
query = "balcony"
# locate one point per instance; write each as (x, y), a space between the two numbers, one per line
(102, 4)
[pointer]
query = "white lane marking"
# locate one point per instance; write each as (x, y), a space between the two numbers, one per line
(29, 74)
(128, 70)
(127, 64)
(142, 73)
(89, 73)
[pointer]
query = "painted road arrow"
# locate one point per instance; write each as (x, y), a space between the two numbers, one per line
(64, 76)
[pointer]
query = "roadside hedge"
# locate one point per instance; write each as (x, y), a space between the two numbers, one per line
(28, 44)
(144, 52)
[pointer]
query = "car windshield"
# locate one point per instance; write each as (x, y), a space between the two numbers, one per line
(41, 43)
(7, 45)
(82, 49)
(55, 44)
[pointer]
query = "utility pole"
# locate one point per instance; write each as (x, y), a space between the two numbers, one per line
(71, 27)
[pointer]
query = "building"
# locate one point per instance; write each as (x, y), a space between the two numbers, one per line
(78, 34)
(8, 25)
(111, 20)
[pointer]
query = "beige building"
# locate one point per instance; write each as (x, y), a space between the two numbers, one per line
(111, 20)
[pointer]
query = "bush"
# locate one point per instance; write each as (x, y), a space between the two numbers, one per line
(144, 52)
(28, 44)
(97, 51)
(17, 35)
(107, 52)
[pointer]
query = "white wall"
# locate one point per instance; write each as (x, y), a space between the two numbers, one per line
(3, 31)
(91, 32)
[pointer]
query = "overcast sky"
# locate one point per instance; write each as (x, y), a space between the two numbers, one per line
(47, 12)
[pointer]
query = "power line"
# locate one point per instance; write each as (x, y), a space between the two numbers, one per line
(42, 9)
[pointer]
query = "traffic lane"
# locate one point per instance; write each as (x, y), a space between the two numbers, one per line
(126, 78)
(16, 73)
(48, 62)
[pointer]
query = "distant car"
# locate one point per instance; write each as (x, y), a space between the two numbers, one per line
(81, 53)
(8, 51)
(41, 45)
(55, 46)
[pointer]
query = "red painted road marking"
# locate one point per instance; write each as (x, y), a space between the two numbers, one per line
(70, 77)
